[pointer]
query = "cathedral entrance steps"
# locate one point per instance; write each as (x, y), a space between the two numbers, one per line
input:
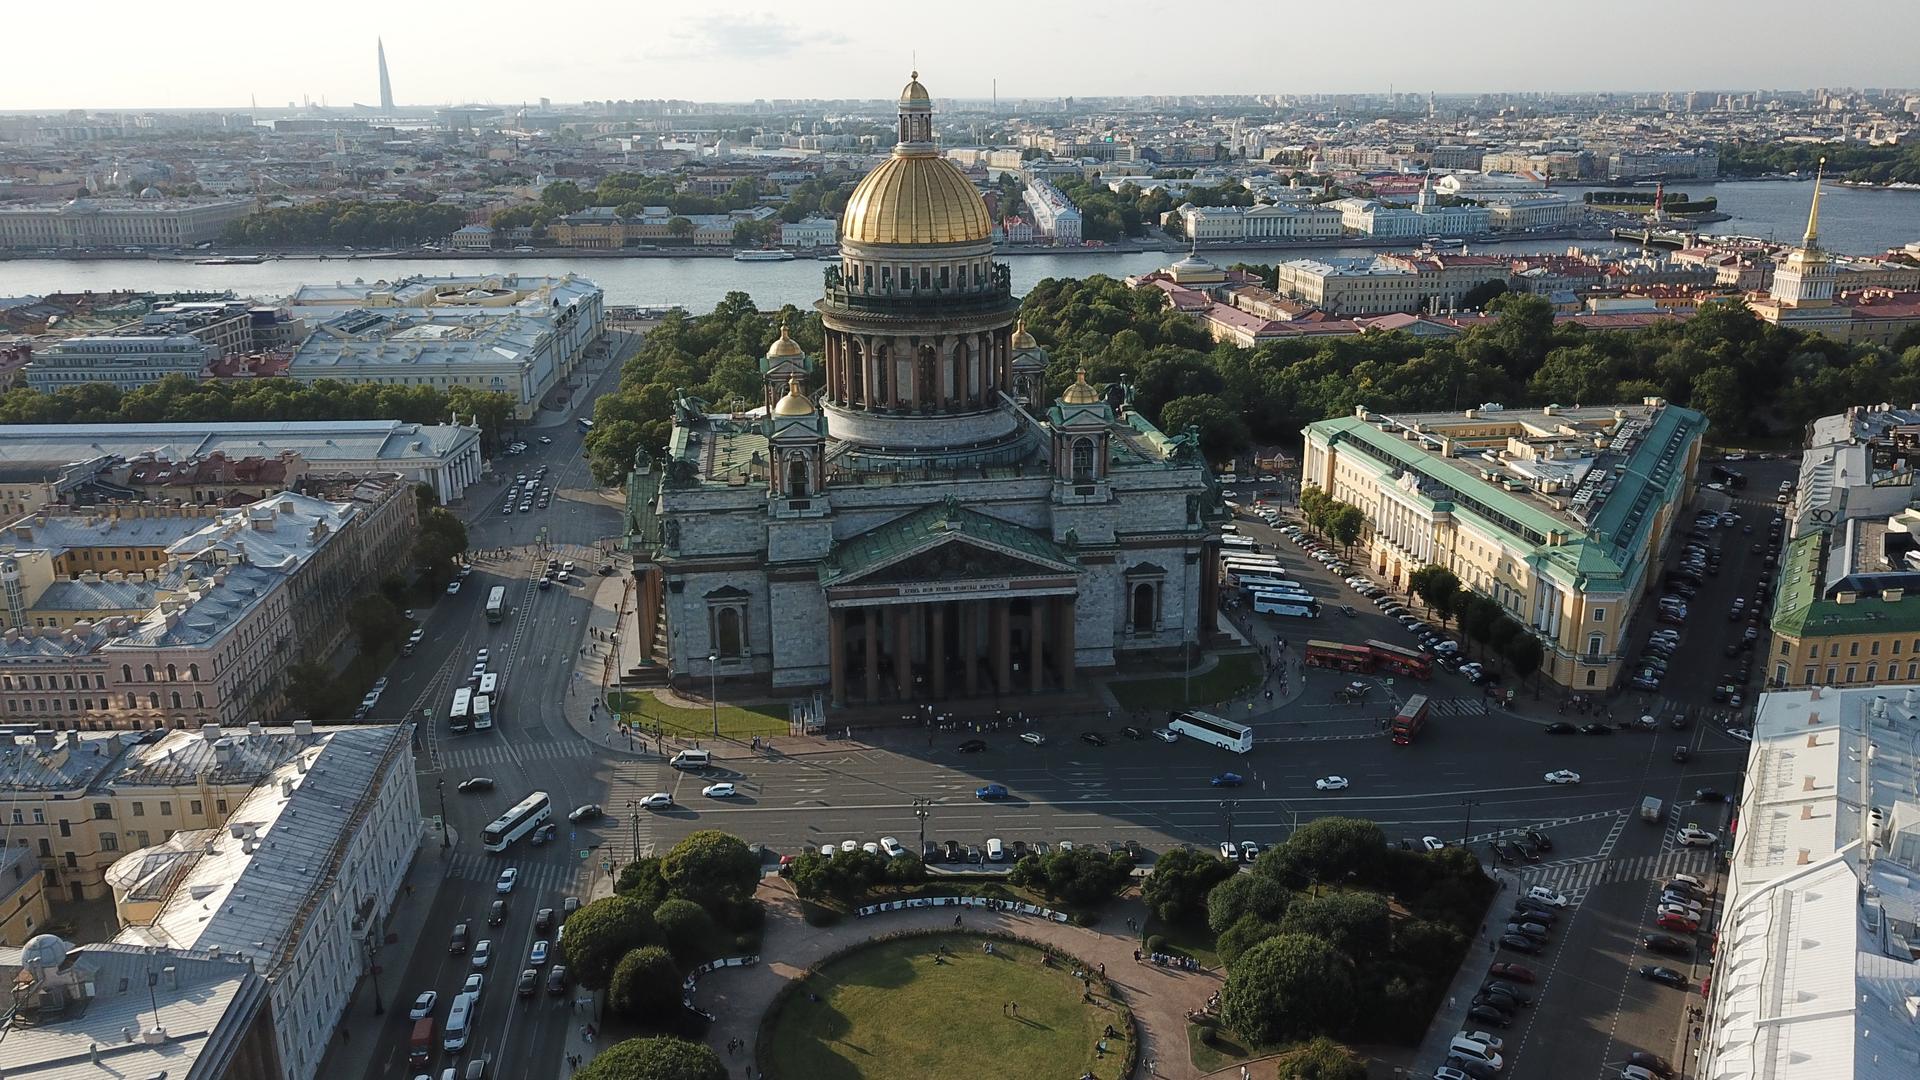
(644, 675)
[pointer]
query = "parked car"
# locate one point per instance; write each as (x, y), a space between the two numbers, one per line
(1663, 975)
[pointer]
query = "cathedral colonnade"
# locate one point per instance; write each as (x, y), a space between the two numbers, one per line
(934, 650)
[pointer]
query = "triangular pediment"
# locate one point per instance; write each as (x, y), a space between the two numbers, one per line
(945, 542)
(955, 560)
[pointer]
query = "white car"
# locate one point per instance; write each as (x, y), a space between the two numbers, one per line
(1492, 1042)
(475, 982)
(870, 848)
(1546, 896)
(659, 800)
(453, 588)
(1249, 851)
(1229, 851)
(1692, 835)
(546, 440)
(1166, 734)
(481, 656)
(848, 847)
(423, 1005)
(1331, 783)
(1033, 737)
(718, 791)
(892, 846)
(482, 952)
(1562, 776)
(1432, 843)
(504, 883)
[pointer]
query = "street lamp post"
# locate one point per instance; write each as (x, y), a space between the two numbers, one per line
(922, 809)
(713, 689)
(373, 973)
(633, 815)
(1227, 806)
(445, 839)
(1466, 830)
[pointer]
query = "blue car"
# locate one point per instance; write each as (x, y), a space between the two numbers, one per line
(991, 791)
(1227, 779)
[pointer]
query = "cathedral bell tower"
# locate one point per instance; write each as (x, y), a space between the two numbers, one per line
(1081, 423)
(785, 361)
(797, 448)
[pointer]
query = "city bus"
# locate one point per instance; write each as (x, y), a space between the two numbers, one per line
(1239, 558)
(1409, 720)
(1289, 593)
(1285, 606)
(460, 716)
(1270, 582)
(497, 604)
(482, 712)
(1338, 656)
(1239, 543)
(1214, 731)
(1399, 660)
(529, 814)
(586, 425)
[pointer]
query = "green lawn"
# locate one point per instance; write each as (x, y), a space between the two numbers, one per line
(888, 1012)
(1233, 674)
(1227, 1049)
(1195, 941)
(736, 722)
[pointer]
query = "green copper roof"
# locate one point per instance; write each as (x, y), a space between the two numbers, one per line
(1800, 611)
(1461, 480)
(930, 526)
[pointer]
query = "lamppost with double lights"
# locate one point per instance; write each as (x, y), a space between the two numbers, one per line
(922, 809)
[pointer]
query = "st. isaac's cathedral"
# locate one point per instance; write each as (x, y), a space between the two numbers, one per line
(910, 518)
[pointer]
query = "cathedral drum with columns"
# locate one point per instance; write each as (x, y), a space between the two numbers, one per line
(923, 523)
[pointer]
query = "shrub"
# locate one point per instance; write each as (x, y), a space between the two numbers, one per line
(646, 987)
(1288, 987)
(686, 929)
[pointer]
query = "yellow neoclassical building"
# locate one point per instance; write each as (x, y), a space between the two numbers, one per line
(1559, 514)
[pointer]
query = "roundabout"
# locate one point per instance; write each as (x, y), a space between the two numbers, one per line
(929, 1006)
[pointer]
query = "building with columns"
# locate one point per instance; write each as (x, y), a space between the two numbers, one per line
(916, 492)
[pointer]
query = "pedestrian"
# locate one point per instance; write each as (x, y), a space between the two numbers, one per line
(1136, 956)
(956, 920)
(346, 1035)
(1103, 970)
(1015, 1006)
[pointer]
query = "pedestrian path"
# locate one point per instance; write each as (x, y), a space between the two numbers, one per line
(479, 750)
(1576, 877)
(542, 880)
(1457, 706)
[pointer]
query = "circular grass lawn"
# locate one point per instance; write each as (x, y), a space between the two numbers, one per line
(887, 1011)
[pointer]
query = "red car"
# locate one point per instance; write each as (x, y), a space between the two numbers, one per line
(1514, 972)
(1676, 922)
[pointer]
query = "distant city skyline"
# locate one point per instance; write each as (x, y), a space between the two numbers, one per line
(505, 53)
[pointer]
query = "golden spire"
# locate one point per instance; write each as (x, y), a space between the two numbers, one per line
(1022, 339)
(784, 345)
(796, 403)
(1081, 392)
(1812, 239)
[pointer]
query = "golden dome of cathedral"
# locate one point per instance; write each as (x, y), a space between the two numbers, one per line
(1022, 339)
(784, 345)
(916, 196)
(1081, 392)
(796, 403)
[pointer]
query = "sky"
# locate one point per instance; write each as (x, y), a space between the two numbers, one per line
(134, 53)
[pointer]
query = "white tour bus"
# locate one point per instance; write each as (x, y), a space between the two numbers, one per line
(482, 712)
(460, 716)
(1214, 731)
(1239, 543)
(1264, 604)
(530, 814)
(490, 685)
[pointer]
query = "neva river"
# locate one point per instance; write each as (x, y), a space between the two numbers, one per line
(1851, 220)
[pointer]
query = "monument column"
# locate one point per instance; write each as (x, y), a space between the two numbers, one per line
(1037, 609)
(1064, 650)
(903, 650)
(837, 654)
(969, 642)
(873, 654)
(937, 649)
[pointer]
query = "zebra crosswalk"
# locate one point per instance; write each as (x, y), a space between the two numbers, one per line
(542, 880)
(1457, 706)
(1574, 878)
(482, 750)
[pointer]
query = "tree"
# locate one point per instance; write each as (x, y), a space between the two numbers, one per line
(662, 1057)
(1356, 923)
(678, 227)
(1248, 931)
(846, 877)
(602, 932)
(1438, 588)
(1321, 1059)
(375, 622)
(443, 537)
(1327, 849)
(1477, 617)
(564, 196)
(1288, 987)
(712, 869)
(646, 985)
(1177, 889)
(1223, 432)
(1525, 654)
(1241, 895)
(1082, 877)
(642, 880)
(1477, 297)
(1345, 524)
(686, 929)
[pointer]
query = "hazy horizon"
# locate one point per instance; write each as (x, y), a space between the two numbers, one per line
(804, 49)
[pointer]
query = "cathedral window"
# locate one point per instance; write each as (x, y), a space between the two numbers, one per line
(1083, 459)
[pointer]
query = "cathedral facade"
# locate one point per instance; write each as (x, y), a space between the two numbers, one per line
(908, 517)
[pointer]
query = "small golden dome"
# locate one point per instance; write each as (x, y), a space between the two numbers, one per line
(1022, 339)
(913, 93)
(796, 403)
(916, 199)
(784, 345)
(1081, 392)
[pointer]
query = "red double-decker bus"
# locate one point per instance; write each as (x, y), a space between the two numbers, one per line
(1400, 661)
(1339, 656)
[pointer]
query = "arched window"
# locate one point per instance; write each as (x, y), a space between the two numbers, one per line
(1590, 675)
(193, 672)
(199, 700)
(1083, 459)
(126, 672)
(797, 477)
(173, 673)
(153, 699)
(132, 702)
(149, 672)
(1143, 608)
(728, 623)
(175, 696)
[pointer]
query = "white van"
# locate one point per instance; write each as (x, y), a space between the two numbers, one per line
(458, 1022)
(1475, 1050)
(995, 850)
(692, 759)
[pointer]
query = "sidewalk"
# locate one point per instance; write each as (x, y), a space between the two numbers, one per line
(347, 1056)
(1451, 1017)
(1159, 997)
(587, 1004)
